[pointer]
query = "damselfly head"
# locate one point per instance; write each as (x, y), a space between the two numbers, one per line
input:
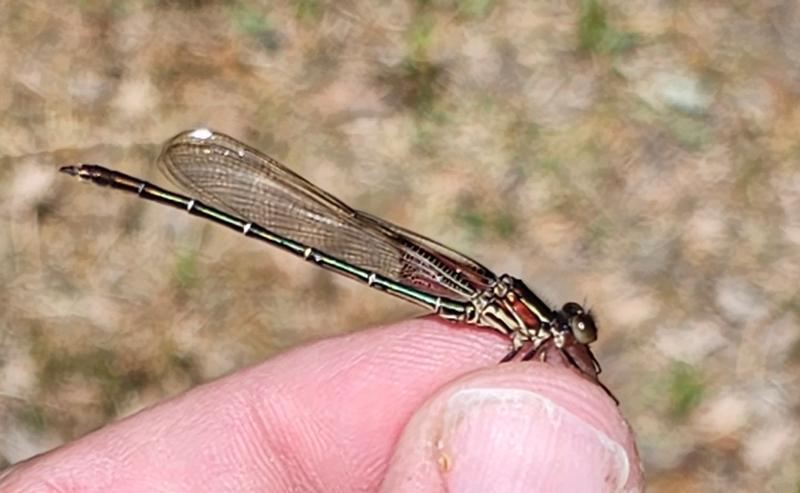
(580, 322)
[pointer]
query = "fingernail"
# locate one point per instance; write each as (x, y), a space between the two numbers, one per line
(506, 439)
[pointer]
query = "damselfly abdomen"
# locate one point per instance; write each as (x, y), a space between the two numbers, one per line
(241, 188)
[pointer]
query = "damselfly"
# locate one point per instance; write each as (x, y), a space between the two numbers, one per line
(241, 188)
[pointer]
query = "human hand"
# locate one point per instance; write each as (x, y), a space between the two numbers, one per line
(417, 406)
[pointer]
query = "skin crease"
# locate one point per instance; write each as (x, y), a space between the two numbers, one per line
(417, 406)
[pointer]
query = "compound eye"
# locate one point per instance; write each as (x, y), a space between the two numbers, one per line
(572, 308)
(583, 328)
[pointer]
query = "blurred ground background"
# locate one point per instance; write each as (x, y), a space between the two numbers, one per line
(641, 154)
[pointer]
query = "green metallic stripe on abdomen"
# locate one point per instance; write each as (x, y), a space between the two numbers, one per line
(333, 263)
(259, 233)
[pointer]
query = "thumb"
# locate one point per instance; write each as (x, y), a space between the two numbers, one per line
(517, 427)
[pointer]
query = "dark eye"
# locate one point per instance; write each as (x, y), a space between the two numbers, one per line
(572, 308)
(583, 328)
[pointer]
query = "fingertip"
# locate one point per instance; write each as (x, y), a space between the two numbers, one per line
(517, 427)
(327, 413)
